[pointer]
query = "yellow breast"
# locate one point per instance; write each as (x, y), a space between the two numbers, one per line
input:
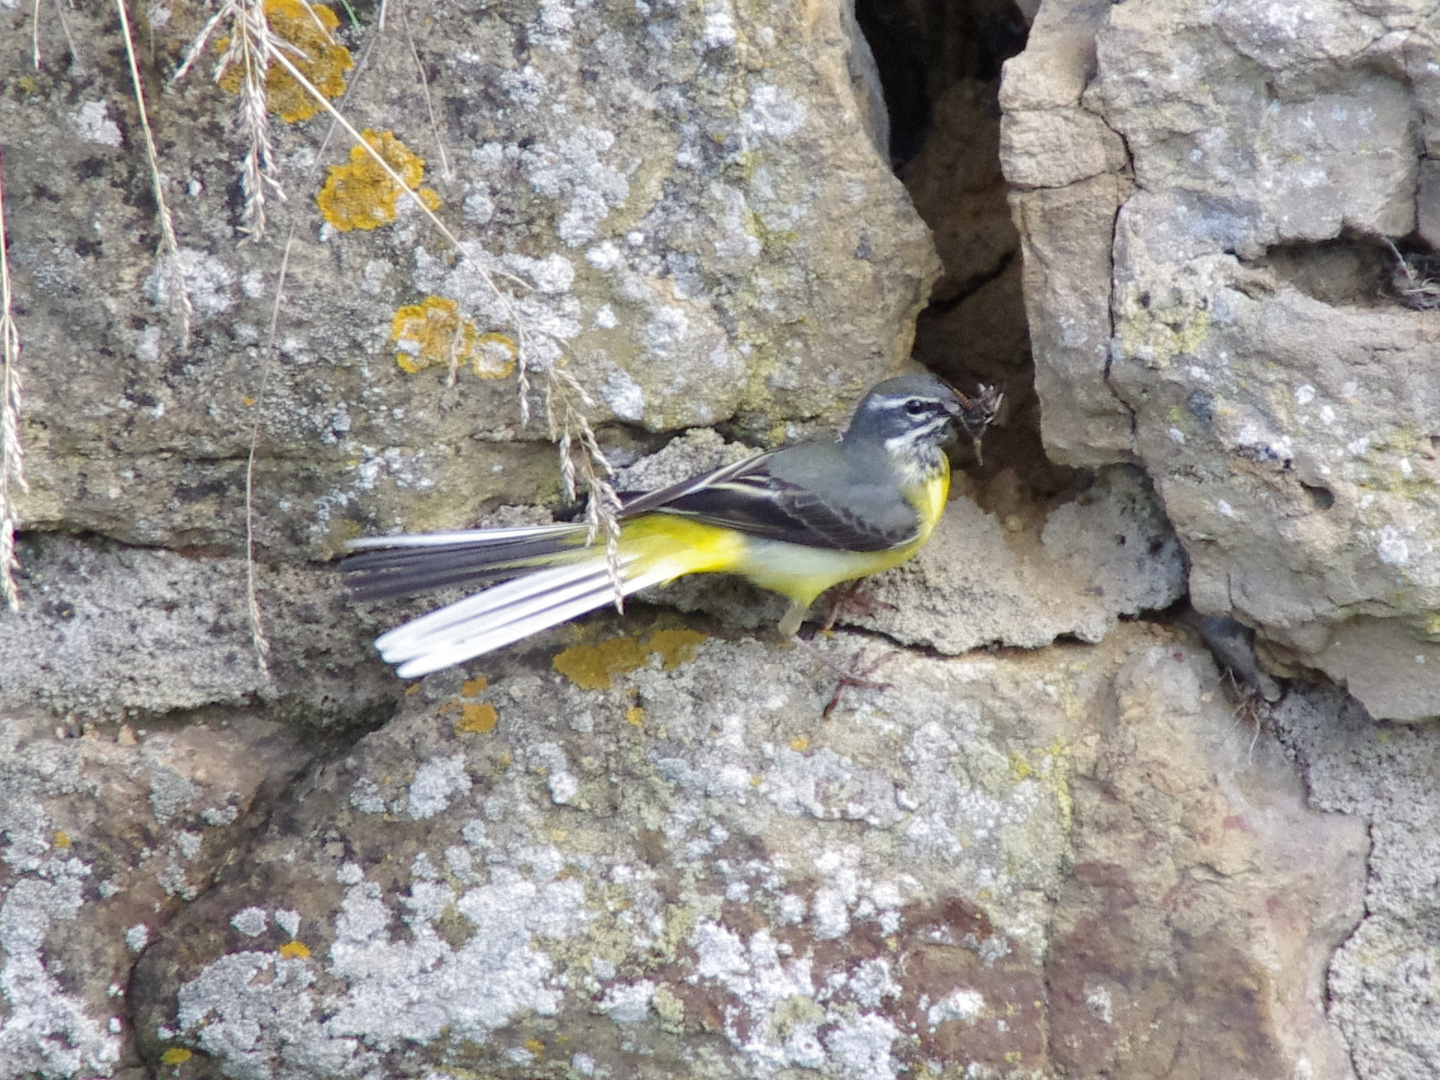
(928, 495)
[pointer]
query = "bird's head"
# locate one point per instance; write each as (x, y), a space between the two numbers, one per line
(914, 414)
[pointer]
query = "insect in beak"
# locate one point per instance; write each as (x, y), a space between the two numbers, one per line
(977, 413)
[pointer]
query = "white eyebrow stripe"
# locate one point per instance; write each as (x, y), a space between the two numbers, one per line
(886, 402)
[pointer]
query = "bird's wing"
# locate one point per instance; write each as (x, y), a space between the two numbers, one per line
(749, 497)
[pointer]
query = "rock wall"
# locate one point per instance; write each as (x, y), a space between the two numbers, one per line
(1057, 840)
(1227, 223)
(1237, 180)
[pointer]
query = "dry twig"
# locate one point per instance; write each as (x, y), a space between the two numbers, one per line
(250, 48)
(170, 266)
(12, 454)
(1410, 281)
(425, 91)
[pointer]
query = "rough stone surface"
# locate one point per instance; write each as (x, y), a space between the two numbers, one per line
(1230, 329)
(666, 846)
(1382, 981)
(109, 630)
(107, 834)
(692, 869)
(984, 580)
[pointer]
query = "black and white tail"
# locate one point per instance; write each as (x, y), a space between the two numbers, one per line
(555, 578)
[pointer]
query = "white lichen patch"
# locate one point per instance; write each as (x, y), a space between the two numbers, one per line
(963, 1004)
(250, 921)
(409, 987)
(774, 112)
(365, 796)
(574, 171)
(256, 1011)
(623, 396)
(401, 984)
(288, 920)
(628, 1004)
(719, 31)
(92, 121)
(550, 314)
(208, 282)
(170, 792)
(861, 1047)
(1392, 548)
(437, 782)
(783, 1018)
(46, 1031)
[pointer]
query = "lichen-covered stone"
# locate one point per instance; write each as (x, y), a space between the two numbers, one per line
(694, 870)
(107, 833)
(679, 204)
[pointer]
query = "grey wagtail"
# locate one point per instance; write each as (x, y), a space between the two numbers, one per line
(795, 520)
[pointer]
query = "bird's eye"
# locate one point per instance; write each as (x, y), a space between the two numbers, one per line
(915, 407)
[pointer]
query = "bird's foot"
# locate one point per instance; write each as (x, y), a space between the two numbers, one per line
(849, 598)
(849, 676)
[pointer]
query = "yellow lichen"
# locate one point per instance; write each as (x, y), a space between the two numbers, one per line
(1158, 337)
(316, 54)
(433, 333)
(361, 195)
(477, 719)
(176, 1055)
(674, 647)
(593, 666)
(473, 687)
(1052, 770)
(635, 715)
(294, 950)
(800, 744)
(62, 838)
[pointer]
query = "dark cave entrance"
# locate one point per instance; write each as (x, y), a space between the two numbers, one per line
(940, 63)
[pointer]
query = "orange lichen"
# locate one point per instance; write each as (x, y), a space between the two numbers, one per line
(320, 58)
(474, 687)
(434, 333)
(361, 195)
(294, 950)
(477, 719)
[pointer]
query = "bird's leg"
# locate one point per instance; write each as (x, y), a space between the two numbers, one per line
(847, 676)
(793, 617)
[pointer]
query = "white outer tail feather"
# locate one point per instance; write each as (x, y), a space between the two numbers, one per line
(506, 613)
(473, 537)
